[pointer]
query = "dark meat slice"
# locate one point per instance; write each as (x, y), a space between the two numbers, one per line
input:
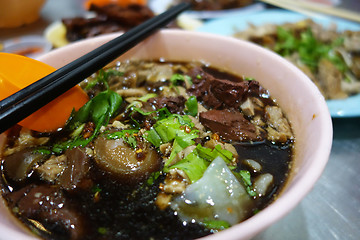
(217, 4)
(130, 16)
(48, 206)
(204, 88)
(81, 28)
(229, 125)
(173, 104)
(109, 18)
(20, 165)
(220, 93)
(78, 166)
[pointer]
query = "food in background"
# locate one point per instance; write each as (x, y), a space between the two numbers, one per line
(122, 3)
(107, 18)
(331, 59)
(211, 5)
(163, 150)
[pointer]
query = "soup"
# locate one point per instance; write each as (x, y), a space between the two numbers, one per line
(163, 150)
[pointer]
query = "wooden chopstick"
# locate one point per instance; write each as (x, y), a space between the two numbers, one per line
(28, 100)
(300, 6)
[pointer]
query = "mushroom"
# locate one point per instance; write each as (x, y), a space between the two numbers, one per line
(125, 163)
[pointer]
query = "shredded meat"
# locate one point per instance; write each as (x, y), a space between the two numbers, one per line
(279, 128)
(52, 168)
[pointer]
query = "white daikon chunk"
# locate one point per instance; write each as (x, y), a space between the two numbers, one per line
(218, 195)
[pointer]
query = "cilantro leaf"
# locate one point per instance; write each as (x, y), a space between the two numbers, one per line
(310, 50)
(128, 135)
(245, 176)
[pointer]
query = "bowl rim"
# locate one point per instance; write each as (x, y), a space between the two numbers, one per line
(288, 200)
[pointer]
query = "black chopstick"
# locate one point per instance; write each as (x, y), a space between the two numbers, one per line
(21, 104)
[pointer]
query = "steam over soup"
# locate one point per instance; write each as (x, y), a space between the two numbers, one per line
(163, 150)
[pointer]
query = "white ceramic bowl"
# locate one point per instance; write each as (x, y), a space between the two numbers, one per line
(295, 93)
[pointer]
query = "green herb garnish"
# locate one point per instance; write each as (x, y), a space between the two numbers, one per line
(310, 50)
(103, 77)
(177, 78)
(191, 106)
(102, 230)
(153, 177)
(165, 130)
(246, 179)
(128, 135)
(195, 164)
(216, 224)
(98, 110)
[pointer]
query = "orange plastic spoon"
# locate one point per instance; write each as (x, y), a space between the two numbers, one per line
(17, 72)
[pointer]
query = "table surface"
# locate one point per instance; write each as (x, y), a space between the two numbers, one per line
(331, 210)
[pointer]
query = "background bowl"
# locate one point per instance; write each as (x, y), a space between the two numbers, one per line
(295, 93)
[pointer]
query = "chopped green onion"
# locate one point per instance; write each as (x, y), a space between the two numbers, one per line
(43, 151)
(165, 130)
(249, 79)
(153, 177)
(216, 224)
(191, 106)
(102, 230)
(193, 165)
(210, 154)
